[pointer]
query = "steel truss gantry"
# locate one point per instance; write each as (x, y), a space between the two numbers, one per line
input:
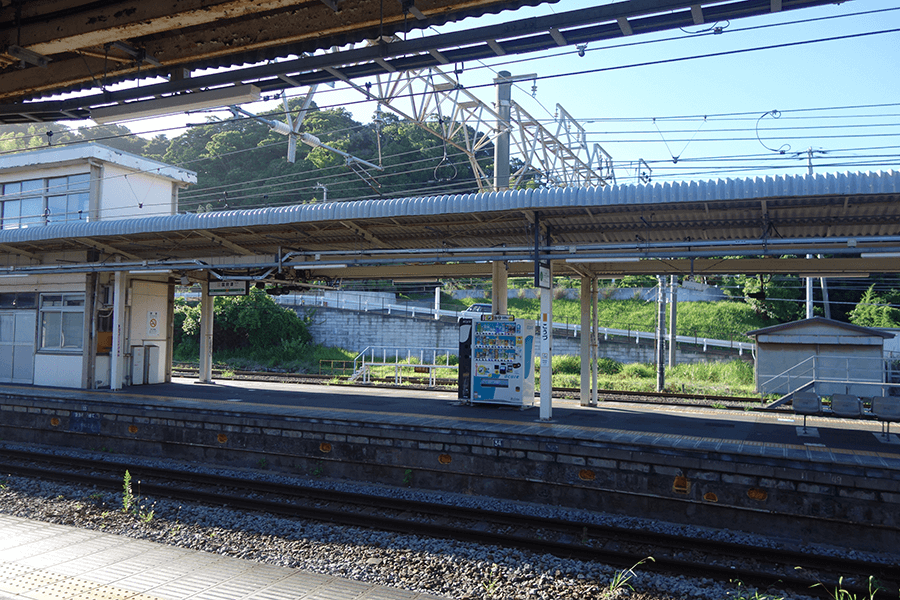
(435, 100)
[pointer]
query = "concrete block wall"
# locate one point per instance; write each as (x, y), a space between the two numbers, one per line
(356, 331)
(685, 294)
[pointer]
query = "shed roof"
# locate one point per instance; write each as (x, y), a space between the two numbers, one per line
(806, 323)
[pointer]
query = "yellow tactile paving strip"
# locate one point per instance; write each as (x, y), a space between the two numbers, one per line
(40, 584)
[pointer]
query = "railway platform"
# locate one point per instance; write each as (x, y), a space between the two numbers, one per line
(761, 472)
(43, 561)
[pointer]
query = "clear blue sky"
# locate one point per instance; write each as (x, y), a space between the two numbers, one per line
(617, 105)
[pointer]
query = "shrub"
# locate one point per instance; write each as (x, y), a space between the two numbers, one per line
(638, 371)
(254, 323)
(608, 366)
(566, 363)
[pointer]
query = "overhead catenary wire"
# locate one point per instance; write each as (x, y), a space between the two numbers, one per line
(685, 58)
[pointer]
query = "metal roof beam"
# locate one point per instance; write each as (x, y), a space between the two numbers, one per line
(224, 243)
(12, 250)
(522, 36)
(90, 243)
(364, 234)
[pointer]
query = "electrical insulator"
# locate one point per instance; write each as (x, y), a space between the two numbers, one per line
(308, 138)
(279, 127)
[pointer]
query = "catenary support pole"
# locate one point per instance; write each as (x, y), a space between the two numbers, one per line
(595, 340)
(585, 347)
(661, 334)
(673, 316)
(503, 83)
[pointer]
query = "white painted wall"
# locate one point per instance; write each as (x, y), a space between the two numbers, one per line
(58, 370)
(128, 194)
(149, 301)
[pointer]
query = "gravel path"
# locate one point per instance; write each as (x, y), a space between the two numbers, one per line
(457, 570)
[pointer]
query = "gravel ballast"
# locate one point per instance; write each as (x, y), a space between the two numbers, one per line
(454, 569)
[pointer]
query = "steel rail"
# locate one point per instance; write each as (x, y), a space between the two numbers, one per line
(838, 569)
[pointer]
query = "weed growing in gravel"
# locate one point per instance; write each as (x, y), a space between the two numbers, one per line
(130, 501)
(407, 477)
(145, 516)
(840, 593)
(619, 583)
(127, 494)
(491, 586)
(263, 463)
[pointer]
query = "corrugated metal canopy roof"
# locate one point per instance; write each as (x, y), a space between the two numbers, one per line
(834, 213)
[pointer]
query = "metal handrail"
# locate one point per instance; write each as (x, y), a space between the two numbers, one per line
(365, 360)
(573, 328)
(817, 369)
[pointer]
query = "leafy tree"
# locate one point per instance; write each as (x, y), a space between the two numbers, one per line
(777, 298)
(23, 137)
(876, 311)
(253, 322)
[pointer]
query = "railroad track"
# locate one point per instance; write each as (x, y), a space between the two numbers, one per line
(620, 547)
(561, 392)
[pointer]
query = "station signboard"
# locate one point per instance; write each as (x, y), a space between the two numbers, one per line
(229, 288)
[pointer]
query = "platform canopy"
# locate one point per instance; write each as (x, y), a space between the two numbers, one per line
(849, 224)
(179, 48)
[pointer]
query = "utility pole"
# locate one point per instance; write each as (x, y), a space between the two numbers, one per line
(503, 82)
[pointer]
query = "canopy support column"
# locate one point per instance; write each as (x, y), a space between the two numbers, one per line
(206, 333)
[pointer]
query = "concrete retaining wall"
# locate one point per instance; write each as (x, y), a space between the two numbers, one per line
(685, 294)
(355, 331)
(756, 493)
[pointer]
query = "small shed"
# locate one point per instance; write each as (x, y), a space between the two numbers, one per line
(832, 356)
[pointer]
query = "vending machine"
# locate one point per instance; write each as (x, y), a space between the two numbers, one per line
(500, 350)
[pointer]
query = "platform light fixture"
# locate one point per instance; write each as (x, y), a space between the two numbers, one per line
(611, 259)
(224, 96)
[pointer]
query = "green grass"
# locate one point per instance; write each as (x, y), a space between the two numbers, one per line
(719, 320)
(732, 378)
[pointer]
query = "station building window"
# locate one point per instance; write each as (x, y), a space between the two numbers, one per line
(62, 321)
(18, 300)
(40, 201)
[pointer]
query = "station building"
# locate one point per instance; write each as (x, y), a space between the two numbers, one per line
(57, 329)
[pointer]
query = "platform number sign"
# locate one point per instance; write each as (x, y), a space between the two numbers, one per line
(153, 323)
